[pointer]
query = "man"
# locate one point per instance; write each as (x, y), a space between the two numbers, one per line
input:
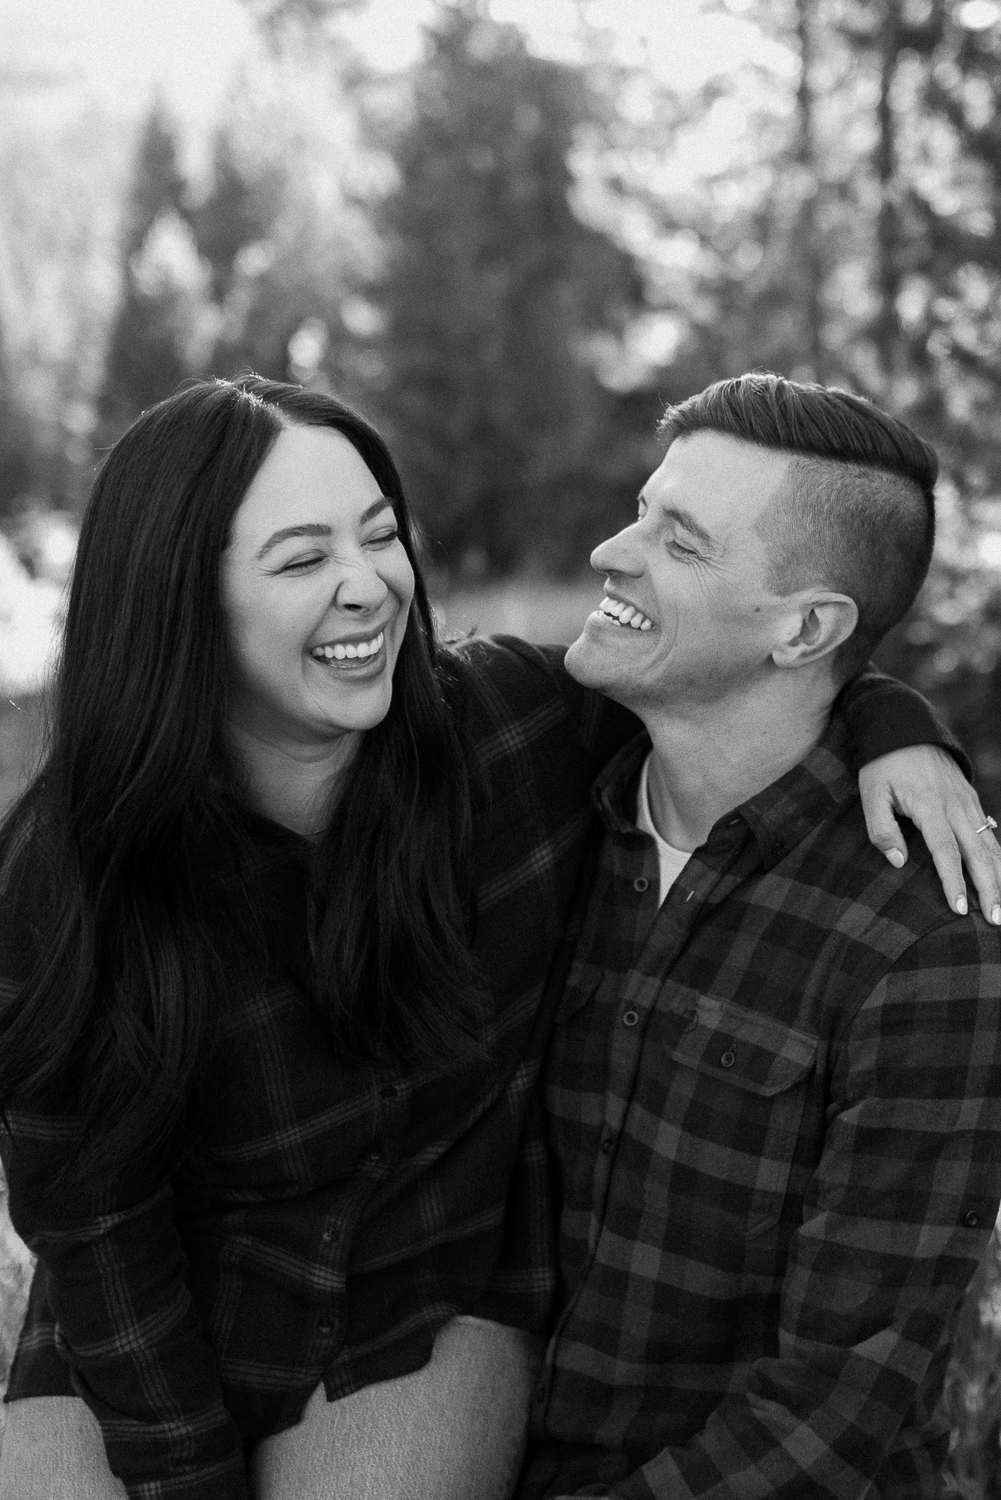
(774, 1086)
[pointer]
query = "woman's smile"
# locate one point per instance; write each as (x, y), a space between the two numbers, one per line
(353, 653)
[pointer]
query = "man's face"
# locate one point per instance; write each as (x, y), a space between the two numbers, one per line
(688, 576)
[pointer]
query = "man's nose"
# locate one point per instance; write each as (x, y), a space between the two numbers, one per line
(618, 553)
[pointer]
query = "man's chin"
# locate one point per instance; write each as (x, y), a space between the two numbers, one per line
(584, 663)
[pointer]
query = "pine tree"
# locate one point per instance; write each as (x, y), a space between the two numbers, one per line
(163, 297)
(492, 288)
(239, 210)
(17, 446)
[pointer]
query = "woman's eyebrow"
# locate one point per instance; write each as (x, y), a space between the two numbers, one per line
(308, 528)
(315, 528)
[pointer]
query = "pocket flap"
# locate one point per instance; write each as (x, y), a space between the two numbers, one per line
(744, 1048)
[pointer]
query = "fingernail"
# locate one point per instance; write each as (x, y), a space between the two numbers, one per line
(996, 915)
(896, 858)
(961, 905)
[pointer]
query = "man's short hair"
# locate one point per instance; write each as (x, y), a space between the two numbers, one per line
(858, 515)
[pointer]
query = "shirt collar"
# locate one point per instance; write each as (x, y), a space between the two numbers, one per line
(778, 818)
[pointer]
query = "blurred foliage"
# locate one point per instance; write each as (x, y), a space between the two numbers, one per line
(499, 258)
(972, 1395)
(60, 196)
(149, 351)
(16, 1266)
(492, 284)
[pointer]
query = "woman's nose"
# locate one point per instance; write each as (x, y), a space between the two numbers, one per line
(360, 588)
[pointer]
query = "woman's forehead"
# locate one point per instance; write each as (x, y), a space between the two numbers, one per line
(313, 476)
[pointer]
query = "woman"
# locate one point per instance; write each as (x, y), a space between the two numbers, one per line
(270, 1125)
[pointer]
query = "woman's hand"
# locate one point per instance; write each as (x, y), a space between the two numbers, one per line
(925, 784)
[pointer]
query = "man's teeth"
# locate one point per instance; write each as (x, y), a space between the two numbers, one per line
(349, 649)
(624, 614)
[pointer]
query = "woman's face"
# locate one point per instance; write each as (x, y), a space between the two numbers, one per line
(316, 589)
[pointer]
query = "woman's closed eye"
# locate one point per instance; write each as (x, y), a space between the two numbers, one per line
(301, 564)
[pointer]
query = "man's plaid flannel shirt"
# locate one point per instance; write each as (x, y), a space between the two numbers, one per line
(775, 1106)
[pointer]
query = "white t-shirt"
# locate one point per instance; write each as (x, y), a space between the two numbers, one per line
(672, 861)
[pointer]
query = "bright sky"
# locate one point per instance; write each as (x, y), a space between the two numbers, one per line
(118, 50)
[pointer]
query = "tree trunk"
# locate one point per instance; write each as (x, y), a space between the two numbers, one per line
(809, 233)
(887, 332)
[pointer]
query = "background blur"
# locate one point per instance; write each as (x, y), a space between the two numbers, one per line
(509, 231)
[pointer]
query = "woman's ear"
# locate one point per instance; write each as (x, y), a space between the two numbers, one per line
(825, 621)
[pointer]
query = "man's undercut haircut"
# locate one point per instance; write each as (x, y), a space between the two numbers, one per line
(858, 513)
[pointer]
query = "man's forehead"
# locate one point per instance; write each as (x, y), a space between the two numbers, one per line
(717, 478)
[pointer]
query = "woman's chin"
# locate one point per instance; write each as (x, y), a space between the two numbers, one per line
(367, 712)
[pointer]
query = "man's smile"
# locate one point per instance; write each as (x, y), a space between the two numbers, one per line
(620, 613)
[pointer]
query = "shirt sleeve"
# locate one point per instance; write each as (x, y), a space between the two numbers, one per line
(885, 714)
(897, 1218)
(114, 1279)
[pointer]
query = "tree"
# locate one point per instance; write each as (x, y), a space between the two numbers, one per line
(492, 288)
(284, 227)
(17, 440)
(60, 195)
(163, 320)
(239, 210)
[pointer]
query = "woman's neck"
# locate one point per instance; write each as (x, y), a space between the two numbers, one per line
(292, 783)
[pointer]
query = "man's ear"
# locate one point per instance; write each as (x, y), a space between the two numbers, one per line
(823, 623)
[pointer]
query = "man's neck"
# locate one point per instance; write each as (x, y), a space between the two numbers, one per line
(709, 758)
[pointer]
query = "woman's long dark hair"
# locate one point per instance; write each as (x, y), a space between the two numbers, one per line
(116, 1016)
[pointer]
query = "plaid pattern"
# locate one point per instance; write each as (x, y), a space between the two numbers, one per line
(775, 1106)
(328, 1222)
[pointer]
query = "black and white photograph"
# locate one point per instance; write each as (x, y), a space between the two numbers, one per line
(500, 749)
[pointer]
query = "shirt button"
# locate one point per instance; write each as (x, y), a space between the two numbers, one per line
(630, 1018)
(325, 1328)
(971, 1220)
(641, 884)
(728, 1059)
(376, 1158)
(330, 1234)
(607, 1144)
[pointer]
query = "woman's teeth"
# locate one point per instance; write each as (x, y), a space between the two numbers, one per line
(624, 614)
(349, 650)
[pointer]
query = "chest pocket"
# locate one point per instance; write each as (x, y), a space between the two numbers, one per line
(735, 1086)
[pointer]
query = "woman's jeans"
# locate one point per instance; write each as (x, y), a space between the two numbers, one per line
(452, 1431)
